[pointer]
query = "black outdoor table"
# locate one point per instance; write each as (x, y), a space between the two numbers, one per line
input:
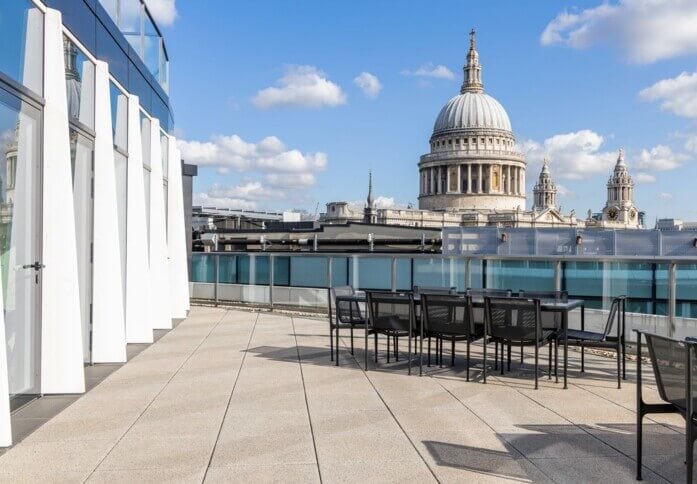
(546, 305)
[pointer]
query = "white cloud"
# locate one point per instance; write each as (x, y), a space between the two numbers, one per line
(563, 191)
(572, 155)
(645, 30)
(269, 155)
(163, 11)
(304, 86)
(665, 196)
(429, 70)
(677, 95)
(381, 201)
(204, 200)
(296, 180)
(659, 158)
(642, 177)
(369, 84)
(691, 143)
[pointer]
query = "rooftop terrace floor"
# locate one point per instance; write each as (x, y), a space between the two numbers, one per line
(234, 395)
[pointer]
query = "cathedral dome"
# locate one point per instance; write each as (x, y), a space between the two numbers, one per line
(472, 110)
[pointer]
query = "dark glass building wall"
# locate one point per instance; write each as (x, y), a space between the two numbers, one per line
(94, 28)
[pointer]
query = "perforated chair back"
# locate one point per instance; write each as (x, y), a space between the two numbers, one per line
(478, 312)
(391, 311)
(513, 319)
(668, 359)
(446, 314)
(347, 312)
(549, 319)
(614, 315)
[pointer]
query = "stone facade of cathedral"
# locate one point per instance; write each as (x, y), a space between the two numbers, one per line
(474, 175)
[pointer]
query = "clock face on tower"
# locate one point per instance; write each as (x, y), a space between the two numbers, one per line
(632, 214)
(612, 213)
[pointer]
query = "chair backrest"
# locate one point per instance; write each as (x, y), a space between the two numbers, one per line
(391, 311)
(434, 290)
(478, 313)
(345, 311)
(668, 359)
(615, 314)
(446, 314)
(513, 318)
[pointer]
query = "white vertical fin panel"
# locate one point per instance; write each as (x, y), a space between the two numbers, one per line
(159, 266)
(61, 331)
(138, 310)
(176, 236)
(108, 330)
(5, 421)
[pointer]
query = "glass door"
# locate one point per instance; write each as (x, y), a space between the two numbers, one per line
(82, 159)
(20, 195)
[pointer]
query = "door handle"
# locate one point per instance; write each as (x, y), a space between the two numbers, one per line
(36, 266)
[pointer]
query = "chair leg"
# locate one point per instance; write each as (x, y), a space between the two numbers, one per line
(624, 360)
(331, 343)
(690, 454)
(351, 340)
(619, 369)
(388, 347)
(452, 353)
(556, 360)
(537, 350)
(502, 346)
(428, 360)
(549, 366)
(396, 348)
(484, 368)
(336, 344)
(440, 354)
(583, 357)
(521, 353)
(509, 357)
(639, 436)
(468, 359)
(365, 353)
(376, 347)
(496, 355)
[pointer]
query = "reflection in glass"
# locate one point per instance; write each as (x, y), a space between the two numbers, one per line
(79, 84)
(21, 38)
(19, 193)
(119, 117)
(81, 151)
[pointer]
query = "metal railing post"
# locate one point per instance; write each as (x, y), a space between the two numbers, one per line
(393, 280)
(217, 277)
(557, 276)
(271, 276)
(468, 273)
(671, 299)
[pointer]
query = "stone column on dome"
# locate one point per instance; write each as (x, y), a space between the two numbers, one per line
(508, 179)
(479, 179)
(469, 178)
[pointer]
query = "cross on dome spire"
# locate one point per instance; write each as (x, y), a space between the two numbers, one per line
(472, 69)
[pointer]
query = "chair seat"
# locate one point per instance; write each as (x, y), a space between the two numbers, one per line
(512, 337)
(584, 335)
(346, 324)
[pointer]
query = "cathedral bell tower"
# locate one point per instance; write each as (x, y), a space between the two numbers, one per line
(545, 191)
(620, 209)
(370, 213)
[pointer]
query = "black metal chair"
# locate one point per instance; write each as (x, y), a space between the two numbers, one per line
(418, 292)
(674, 365)
(550, 320)
(478, 312)
(393, 315)
(448, 317)
(345, 313)
(513, 321)
(605, 340)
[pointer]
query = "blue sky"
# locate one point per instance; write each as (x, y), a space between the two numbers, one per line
(266, 100)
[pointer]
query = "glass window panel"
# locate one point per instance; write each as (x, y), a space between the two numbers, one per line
(516, 275)
(19, 193)
(82, 151)
(404, 274)
(151, 47)
(21, 41)
(370, 273)
(79, 84)
(227, 271)
(340, 271)
(203, 268)
(308, 271)
(119, 117)
(281, 271)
